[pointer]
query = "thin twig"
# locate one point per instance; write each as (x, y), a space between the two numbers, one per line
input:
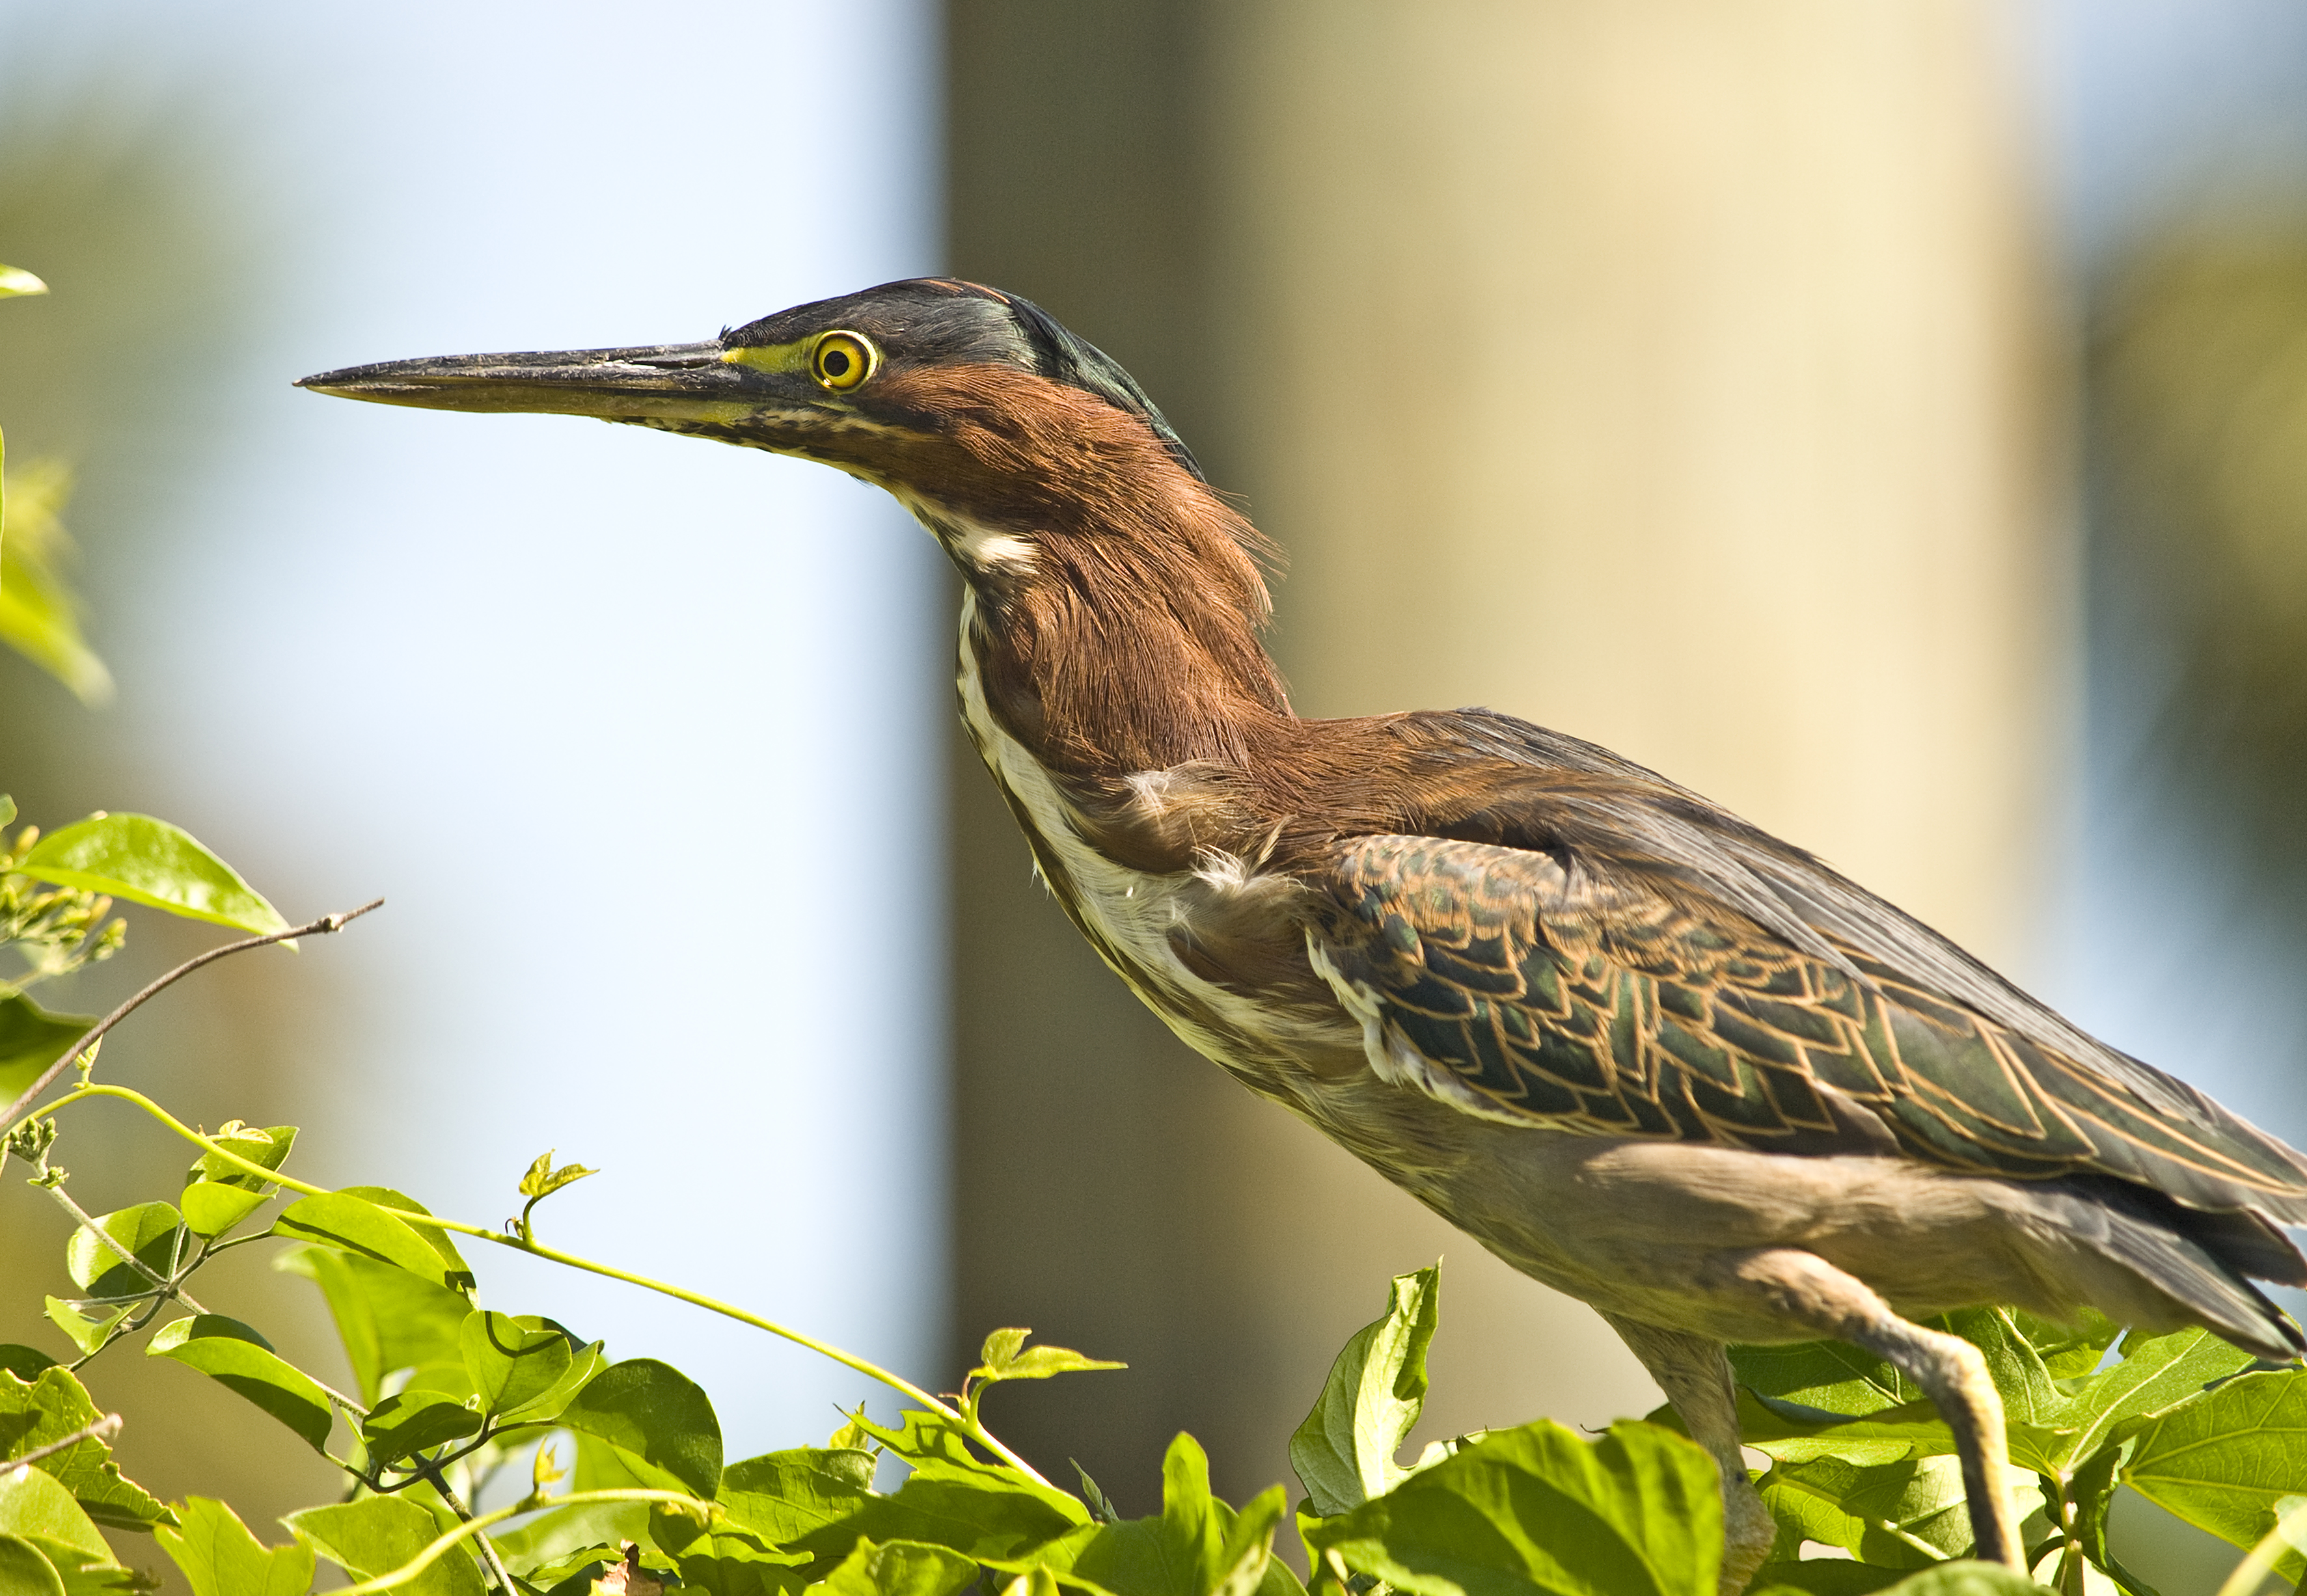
(537, 1250)
(167, 1287)
(103, 1430)
(321, 927)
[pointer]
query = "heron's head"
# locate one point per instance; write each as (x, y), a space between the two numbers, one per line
(1003, 432)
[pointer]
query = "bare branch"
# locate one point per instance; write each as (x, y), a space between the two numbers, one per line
(321, 927)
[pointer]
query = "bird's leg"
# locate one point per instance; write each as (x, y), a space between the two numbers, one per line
(1954, 1375)
(1805, 1290)
(1696, 1379)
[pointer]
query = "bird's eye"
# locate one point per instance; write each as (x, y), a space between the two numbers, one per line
(842, 360)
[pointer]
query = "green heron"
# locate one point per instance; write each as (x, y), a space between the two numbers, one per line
(1639, 1049)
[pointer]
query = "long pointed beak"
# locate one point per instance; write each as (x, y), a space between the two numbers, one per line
(668, 382)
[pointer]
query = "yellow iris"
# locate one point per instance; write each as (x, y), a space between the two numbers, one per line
(842, 360)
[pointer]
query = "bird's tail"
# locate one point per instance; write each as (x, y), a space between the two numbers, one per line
(2164, 1265)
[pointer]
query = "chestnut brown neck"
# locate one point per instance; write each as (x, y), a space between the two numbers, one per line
(1117, 603)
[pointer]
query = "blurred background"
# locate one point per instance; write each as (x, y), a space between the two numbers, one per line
(1887, 420)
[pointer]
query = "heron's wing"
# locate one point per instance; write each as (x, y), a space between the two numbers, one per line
(1564, 986)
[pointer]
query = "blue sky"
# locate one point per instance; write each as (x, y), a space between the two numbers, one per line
(638, 735)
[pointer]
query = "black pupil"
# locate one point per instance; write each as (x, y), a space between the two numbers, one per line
(837, 363)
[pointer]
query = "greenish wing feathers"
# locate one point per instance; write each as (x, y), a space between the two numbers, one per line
(1592, 1001)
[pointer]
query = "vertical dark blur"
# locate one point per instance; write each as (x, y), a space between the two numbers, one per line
(123, 203)
(2198, 402)
(1666, 372)
(1090, 1200)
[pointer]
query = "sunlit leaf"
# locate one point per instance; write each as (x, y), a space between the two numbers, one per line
(1006, 1357)
(555, 1543)
(266, 1144)
(1196, 1546)
(24, 1571)
(1636, 1513)
(31, 1039)
(35, 1506)
(2222, 1459)
(211, 1208)
(2155, 1372)
(900, 1568)
(40, 614)
(940, 1453)
(658, 1416)
(412, 1421)
(151, 1232)
(35, 1413)
(219, 1557)
(149, 862)
(238, 1358)
(388, 1319)
(15, 280)
(378, 1534)
(461, 1273)
(514, 1363)
(1345, 1450)
(87, 1331)
(543, 1179)
(354, 1225)
(820, 1501)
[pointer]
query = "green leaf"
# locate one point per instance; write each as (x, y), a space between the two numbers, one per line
(15, 280)
(26, 1363)
(219, 1557)
(1197, 1546)
(2154, 1373)
(1789, 1433)
(559, 1538)
(35, 1507)
(1832, 1376)
(31, 1039)
(1345, 1450)
(152, 1231)
(2221, 1459)
(211, 1208)
(39, 613)
(657, 1416)
(152, 863)
(899, 1568)
(378, 1534)
(388, 1319)
(412, 1421)
(238, 1358)
(514, 1363)
(939, 1452)
(1822, 1576)
(2068, 1352)
(37, 1412)
(461, 1273)
(2090, 1491)
(24, 1572)
(1968, 1579)
(357, 1225)
(543, 1179)
(727, 1561)
(266, 1144)
(1004, 1361)
(1880, 1512)
(87, 1333)
(1637, 1512)
(820, 1500)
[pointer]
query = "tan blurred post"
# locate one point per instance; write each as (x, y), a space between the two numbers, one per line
(1665, 371)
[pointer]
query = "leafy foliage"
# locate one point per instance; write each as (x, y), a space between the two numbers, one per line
(447, 1390)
